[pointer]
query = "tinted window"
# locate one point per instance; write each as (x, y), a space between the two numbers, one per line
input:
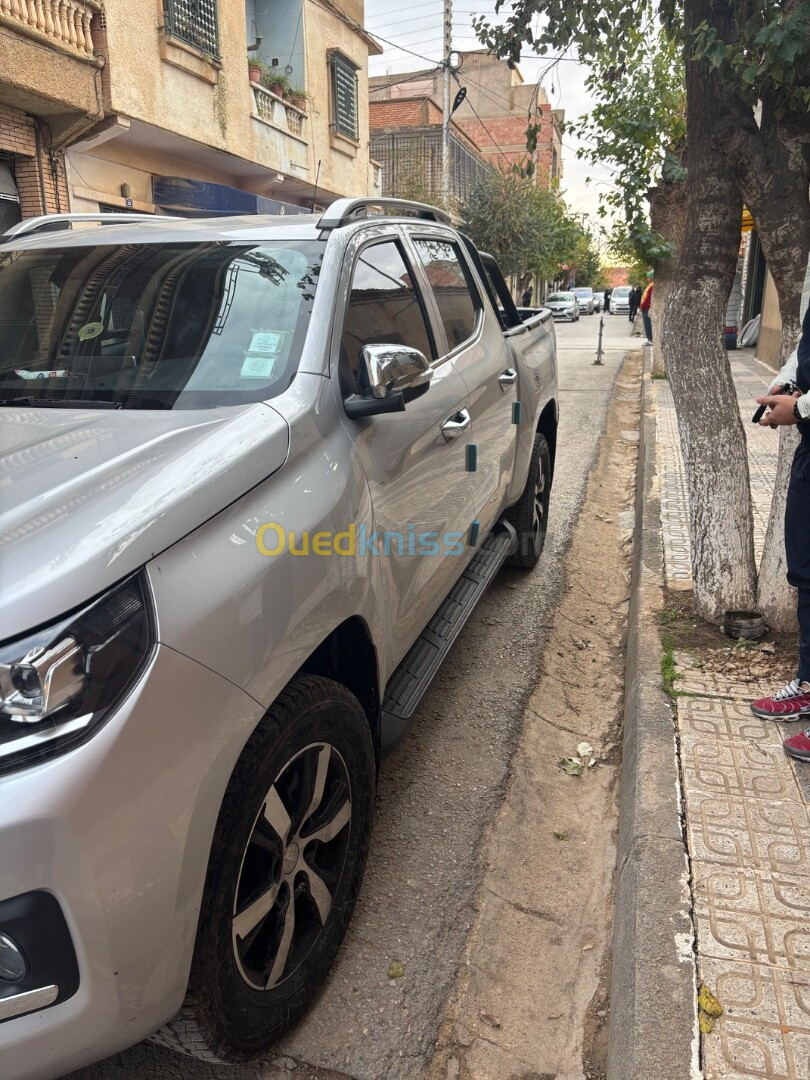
(154, 326)
(451, 289)
(560, 296)
(384, 308)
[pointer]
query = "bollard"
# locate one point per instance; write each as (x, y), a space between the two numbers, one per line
(598, 360)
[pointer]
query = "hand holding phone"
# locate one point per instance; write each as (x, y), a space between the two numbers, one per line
(786, 388)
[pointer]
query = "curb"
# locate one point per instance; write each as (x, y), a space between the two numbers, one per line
(653, 1031)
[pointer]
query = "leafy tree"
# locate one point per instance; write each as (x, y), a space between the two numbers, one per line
(527, 228)
(737, 53)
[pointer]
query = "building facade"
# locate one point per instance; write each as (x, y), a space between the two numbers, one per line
(495, 115)
(149, 107)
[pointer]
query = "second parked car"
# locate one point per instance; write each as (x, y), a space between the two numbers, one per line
(563, 305)
(585, 300)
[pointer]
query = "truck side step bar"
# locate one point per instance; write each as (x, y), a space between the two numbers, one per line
(414, 675)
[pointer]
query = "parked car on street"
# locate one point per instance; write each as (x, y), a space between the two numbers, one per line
(597, 301)
(563, 305)
(620, 300)
(258, 472)
(585, 299)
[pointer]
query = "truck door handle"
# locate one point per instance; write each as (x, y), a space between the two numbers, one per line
(456, 425)
(508, 377)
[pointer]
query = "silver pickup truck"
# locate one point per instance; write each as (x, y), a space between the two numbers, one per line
(255, 473)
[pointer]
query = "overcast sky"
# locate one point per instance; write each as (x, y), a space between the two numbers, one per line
(418, 27)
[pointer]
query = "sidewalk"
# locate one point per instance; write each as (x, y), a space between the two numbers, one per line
(745, 809)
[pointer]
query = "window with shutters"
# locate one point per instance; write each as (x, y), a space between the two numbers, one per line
(344, 96)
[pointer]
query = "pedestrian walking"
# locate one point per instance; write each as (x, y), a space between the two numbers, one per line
(792, 406)
(607, 300)
(526, 299)
(635, 300)
(645, 304)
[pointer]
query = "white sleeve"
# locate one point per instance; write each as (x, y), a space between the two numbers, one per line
(789, 370)
(803, 405)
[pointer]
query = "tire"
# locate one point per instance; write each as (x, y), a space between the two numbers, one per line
(304, 784)
(529, 515)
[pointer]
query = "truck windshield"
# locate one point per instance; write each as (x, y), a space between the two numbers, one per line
(154, 326)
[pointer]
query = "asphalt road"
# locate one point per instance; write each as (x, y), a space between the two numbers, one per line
(438, 794)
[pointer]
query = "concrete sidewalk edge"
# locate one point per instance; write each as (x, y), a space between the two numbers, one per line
(653, 1010)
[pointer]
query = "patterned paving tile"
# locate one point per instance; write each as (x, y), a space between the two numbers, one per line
(697, 681)
(726, 720)
(756, 834)
(754, 916)
(765, 1030)
(753, 770)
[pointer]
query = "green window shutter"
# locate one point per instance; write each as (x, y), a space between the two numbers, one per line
(344, 94)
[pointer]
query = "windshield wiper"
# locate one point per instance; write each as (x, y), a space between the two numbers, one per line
(62, 403)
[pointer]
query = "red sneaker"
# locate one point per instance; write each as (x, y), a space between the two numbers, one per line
(798, 746)
(789, 703)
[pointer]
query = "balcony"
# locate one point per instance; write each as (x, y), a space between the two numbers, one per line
(61, 23)
(281, 132)
(47, 61)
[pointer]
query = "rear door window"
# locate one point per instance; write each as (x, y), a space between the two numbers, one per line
(456, 296)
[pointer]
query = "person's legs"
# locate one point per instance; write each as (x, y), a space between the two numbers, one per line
(645, 317)
(793, 700)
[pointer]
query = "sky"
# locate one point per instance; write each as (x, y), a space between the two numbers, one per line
(418, 28)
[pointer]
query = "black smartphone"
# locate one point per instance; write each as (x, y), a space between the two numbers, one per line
(787, 388)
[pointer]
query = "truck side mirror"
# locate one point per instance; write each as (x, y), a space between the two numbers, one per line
(389, 376)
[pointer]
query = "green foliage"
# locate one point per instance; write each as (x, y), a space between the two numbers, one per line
(526, 227)
(635, 54)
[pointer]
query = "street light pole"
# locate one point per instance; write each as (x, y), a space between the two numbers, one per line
(448, 47)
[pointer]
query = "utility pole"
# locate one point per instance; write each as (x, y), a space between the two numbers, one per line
(448, 48)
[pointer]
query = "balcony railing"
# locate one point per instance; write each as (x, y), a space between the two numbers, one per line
(66, 22)
(278, 112)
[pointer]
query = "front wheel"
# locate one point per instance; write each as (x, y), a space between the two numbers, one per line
(284, 872)
(529, 515)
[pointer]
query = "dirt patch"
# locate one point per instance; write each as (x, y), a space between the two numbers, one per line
(702, 645)
(531, 999)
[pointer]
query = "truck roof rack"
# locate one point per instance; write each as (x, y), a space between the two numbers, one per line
(57, 222)
(344, 211)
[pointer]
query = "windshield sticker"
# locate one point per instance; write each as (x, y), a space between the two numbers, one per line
(90, 330)
(257, 367)
(265, 344)
(58, 373)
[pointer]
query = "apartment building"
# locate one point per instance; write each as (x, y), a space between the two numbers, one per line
(494, 116)
(149, 106)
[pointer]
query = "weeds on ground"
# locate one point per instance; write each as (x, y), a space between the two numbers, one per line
(669, 672)
(659, 376)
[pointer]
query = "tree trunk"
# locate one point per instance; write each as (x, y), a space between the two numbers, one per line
(773, 167)
(668, 218)
(712, 437)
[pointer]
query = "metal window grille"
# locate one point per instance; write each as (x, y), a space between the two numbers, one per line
(195, 22)
(344, 96)
(412, 165)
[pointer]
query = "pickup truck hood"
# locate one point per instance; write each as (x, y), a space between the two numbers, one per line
(89, 496)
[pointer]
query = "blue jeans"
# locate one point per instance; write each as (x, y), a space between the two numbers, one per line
(645, 318)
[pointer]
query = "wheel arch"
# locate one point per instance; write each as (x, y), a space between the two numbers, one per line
(547, 424)
(348, 656)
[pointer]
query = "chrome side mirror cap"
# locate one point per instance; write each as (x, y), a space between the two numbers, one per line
(386, 370)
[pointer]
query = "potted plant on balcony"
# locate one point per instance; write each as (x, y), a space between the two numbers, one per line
(256, 68)
(298, 97)
(276, 82)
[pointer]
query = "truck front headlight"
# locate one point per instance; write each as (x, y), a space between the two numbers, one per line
(60, 683)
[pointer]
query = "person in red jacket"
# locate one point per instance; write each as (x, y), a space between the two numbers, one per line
(645, 305)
